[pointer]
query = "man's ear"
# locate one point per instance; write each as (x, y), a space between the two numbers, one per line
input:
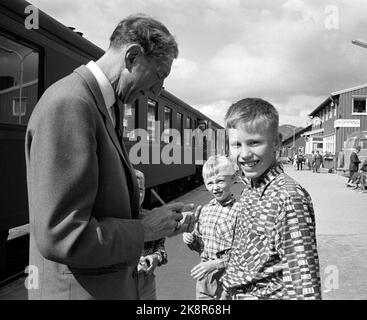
(132, 55)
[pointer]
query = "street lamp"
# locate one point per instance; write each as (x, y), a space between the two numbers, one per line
(21, 58)
(360, 43)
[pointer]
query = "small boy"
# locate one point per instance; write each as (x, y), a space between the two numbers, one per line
(274, 253)
(153, 255)
(213, 232)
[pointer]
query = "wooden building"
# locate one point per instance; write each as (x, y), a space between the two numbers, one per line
(294, 143)
(340, 115)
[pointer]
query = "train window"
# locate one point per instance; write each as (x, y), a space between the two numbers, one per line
(129, 122)
(167, 124)
(180, 127)
(152, 118)
(188, 132)
(359, 105)
(18, 81)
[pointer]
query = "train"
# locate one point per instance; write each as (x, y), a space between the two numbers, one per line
(32, 57)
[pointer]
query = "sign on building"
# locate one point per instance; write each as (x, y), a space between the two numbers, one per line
(347, 123)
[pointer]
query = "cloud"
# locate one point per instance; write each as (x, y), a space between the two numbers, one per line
(280, 50)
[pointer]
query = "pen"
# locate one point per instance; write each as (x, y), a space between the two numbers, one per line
(157, 196)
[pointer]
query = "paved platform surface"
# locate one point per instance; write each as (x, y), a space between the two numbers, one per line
(341, 227)
(341, 222)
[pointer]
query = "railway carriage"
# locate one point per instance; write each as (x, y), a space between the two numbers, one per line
(33, 59)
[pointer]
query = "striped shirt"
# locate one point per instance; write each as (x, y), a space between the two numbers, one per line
(213, 233)
(274, 253)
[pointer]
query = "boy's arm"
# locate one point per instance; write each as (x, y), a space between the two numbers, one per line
(160, 251)
(296, 244)
(197, 244)
(226, 230)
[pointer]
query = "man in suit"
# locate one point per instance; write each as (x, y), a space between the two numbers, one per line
(353, 165)
(85, 236)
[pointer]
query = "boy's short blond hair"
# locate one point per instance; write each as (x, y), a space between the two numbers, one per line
(218, 164)
(254, 113)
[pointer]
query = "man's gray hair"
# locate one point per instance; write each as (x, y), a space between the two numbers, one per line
(150, 34)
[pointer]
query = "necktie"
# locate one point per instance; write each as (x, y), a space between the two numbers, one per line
(118, 123)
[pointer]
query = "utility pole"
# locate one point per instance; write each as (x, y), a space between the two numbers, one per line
(360, 43)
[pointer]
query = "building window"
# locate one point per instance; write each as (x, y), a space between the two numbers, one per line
(167, 124)
(152, 118)
(180, 127)
(129, 122)
(329, 144)
(359, 105)
(18, 81)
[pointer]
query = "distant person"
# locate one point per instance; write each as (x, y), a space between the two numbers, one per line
(154, 253)
(363, 178)
(274, 252)
(313, 157)
(300, 160)
(354, 164)
(85, 235)
(359, 178)
(295, 157)
(318, 162)
(213, 232)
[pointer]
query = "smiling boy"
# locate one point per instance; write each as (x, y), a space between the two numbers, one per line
(213, 233)
(274, 253)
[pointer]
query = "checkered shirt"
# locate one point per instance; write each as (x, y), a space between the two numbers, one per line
(213, 233)
(274, 253)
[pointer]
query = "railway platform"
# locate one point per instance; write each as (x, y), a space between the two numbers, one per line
(341, 224)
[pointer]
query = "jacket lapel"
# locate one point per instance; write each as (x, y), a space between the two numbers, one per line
(84, 72)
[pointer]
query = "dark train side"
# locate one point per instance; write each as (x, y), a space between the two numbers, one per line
(31, 60)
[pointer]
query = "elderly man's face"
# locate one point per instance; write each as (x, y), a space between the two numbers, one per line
(145, 77)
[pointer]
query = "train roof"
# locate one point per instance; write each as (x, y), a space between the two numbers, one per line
(49, 24)
(173, 98)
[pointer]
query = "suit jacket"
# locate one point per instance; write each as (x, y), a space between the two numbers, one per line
(85, 236)
(354, 162)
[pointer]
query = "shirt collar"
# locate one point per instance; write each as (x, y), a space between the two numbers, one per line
(103, 83)
(268, 176)
(226, 203)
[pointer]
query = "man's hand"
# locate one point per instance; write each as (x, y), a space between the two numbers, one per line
(187, 237)
(188, 221)
(161, 222)
(203, 268)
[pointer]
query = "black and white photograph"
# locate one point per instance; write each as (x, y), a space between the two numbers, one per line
(197, 152)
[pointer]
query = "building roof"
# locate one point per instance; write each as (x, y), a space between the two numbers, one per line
(297, 133)
(329, 99)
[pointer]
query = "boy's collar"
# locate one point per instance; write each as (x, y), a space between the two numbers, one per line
(268, 176)
(225, 203)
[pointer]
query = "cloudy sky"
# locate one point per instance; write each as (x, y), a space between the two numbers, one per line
(293, 53)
